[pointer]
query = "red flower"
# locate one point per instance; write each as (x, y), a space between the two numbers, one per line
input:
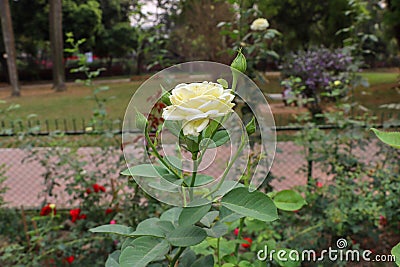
(108, 211)
(75, 215)
(296, 211)
(46, 210)
(247, 245)
(70, 259)
(382, 220)
(319, 184)
(97, 188)
(88, 191)
(236, 231)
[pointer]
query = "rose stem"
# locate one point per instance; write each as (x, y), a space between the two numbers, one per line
(194, 174)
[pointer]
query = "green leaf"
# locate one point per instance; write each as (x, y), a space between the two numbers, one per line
(142, 251)
(226, 187)
(191, 215)
(390, 138)
(152, 227)
(175, 162)
(186, 236)
(251, 127)
(218, 230)
(146, 170)
(289, 200)
(396, 252)
(227, 215)
(201, 179)
(221, 137)
(113, 259)
(206, 261)
(211, 128)
(187, 259)
(252, 204)
(223, 82)
(171, 215)
(209, 218)
(140, 121)
(245, 264)
(175, 127)
(117, 229)
(165, 96)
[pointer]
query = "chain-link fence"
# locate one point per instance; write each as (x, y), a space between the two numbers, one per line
(32, 172)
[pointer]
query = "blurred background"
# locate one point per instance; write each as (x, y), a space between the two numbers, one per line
(68, 68)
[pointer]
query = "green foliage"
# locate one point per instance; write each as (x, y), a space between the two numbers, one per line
(301, 29)
(191, 215)
(391, 19)
(288, 200)
(358, 203)
(83, 19)
(390, 138)
(396, 252)
(198, 233)
(252, 204)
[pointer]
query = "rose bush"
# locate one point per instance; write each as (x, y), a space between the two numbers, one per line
(196, 103)
(197, 232)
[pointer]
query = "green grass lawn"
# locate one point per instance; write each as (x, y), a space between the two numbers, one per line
(375, 78)
(73, 104)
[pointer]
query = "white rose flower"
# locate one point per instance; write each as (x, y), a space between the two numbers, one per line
(196, 103)
(259, 24)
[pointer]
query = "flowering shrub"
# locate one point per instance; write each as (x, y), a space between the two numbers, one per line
(256, 39)
(359, 200)
(319, 72)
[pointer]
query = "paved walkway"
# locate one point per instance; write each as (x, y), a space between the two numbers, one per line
(25, 178)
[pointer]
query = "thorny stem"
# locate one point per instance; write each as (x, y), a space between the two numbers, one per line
(194, 174)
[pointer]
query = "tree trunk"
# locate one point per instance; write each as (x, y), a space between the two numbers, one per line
(9, 44)
(57, 45)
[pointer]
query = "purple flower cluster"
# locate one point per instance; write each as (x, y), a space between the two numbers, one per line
(318, 68)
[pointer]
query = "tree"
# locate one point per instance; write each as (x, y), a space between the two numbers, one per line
(83, 19)
(56, 43)
(195, 35)
(392, 16)
(8, 38)
(305, 23)
(117, 37)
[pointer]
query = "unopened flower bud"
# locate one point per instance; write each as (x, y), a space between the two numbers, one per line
(239, 63)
